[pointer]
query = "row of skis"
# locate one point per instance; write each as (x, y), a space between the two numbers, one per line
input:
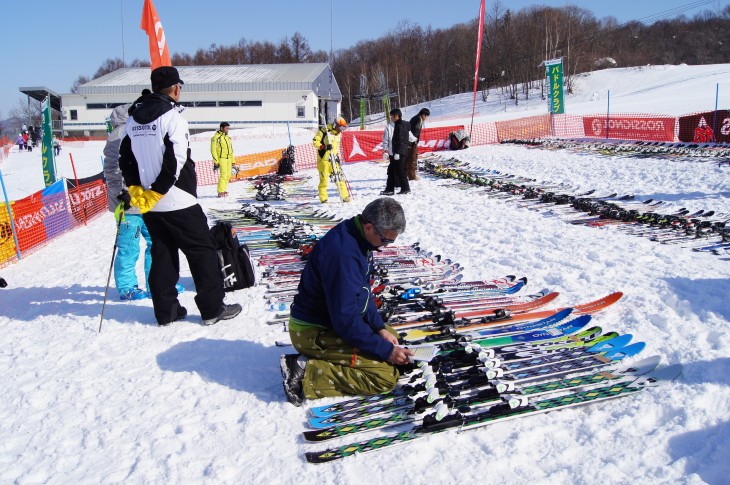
(704, 231)
(490, 350)
(691, 151)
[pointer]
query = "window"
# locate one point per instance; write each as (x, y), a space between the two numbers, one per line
(96, 106)
(205, 104)
(226, 104)
(300, 111)
(74, 114)
(250, 103)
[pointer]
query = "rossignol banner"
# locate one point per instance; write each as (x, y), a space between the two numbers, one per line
(554, 83)
(629, 128)
(49, 171)
(712, 126)
(90, 194)
(359, 146)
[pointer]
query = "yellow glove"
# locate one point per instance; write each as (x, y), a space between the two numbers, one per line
(144, 200)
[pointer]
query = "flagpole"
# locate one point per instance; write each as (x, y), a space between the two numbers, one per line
(121, 17)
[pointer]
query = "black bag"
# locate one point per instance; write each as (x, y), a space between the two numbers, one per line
(233, 257)
(286, 164)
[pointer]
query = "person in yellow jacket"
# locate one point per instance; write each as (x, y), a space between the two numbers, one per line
(326, 142)
(223, 159)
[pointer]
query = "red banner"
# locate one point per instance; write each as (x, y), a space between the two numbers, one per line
(711, 126)
(359, 146)
(159, 55)
(630, 128)
(89, 198)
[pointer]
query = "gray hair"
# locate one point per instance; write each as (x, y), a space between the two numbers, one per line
(386, 214)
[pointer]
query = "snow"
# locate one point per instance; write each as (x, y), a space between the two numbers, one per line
(194, 404)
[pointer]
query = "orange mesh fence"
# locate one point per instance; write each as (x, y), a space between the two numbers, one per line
(72, 144)
(84, 138)
(524, 128)
(47, 214)
(305, 156)
(568, 126)
(484, 134)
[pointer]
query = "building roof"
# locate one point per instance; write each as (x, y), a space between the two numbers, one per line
(247, 77)
(39, 93)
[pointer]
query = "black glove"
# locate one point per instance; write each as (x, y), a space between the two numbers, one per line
(125, 197)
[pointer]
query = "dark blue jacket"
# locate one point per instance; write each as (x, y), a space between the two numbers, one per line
(334, 290)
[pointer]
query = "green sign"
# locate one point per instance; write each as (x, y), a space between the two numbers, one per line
(554, 79)
(49, 173)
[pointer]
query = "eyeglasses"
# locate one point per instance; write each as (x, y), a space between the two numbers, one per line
(383, 240)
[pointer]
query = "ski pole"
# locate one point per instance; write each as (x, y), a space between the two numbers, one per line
(120, 211)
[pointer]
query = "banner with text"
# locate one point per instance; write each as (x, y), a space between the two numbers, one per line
(554, 83)
(359, 146)
(89, 198)
(630, 128)
(49, 163)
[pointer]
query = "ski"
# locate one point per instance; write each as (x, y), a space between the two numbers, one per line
(462, 421)
(366, 419)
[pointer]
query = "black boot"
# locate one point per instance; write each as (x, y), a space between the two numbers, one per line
(293, 373)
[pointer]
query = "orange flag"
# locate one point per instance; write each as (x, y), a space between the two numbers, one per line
(159, 55)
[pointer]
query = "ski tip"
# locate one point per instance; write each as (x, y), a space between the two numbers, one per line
(641, 367)
(659, 377)
(320, 457)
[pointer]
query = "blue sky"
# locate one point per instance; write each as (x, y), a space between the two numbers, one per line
(59, 40)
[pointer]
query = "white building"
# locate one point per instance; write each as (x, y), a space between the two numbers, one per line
(242, 95)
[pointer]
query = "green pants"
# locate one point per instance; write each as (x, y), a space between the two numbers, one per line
(336, 369)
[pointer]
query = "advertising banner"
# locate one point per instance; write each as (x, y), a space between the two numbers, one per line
(7, 242)
(359, 146)
(711, 126)
(49, 163)
(630, 128)
(554, 82)
(90, 197)
(29, 217)
(57, 217)
(256, 164)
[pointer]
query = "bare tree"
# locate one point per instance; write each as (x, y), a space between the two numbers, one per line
(78, 82)
(110, 65)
